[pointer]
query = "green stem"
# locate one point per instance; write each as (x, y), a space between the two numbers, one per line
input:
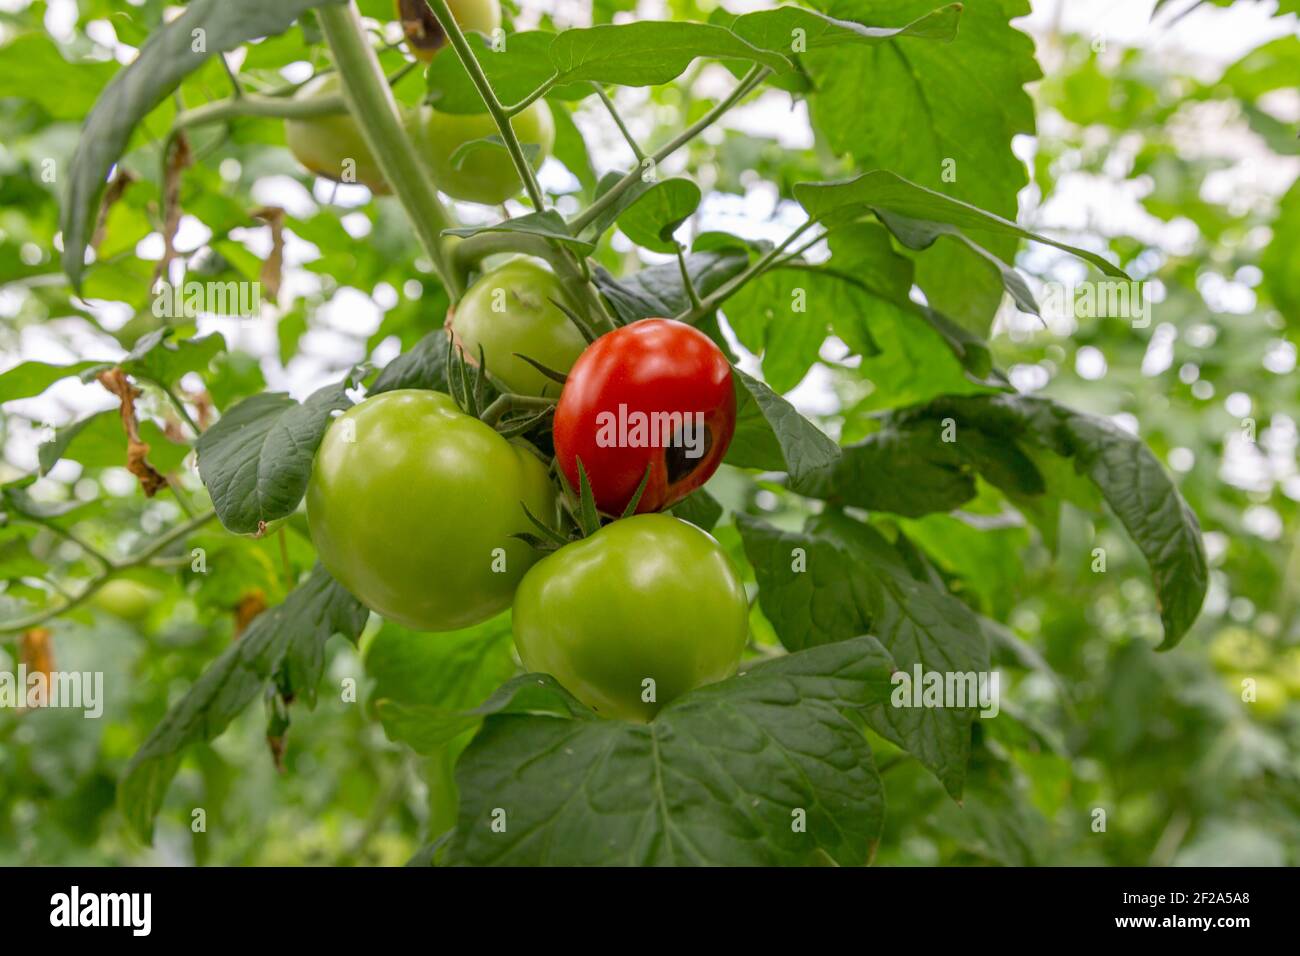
(75, 539)
(618, 121)
(686, 279)
(532, 97)
(499, 114)
(111, 570)
(371, 102)
(511, 403)
(750, 80)
(730, 288)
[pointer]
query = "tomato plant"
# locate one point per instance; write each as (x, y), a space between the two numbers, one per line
(664, 452)
(651, 401)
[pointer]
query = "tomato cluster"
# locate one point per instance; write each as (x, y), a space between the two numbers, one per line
(422, 510)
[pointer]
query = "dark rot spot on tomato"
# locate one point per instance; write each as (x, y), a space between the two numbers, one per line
(656, 395)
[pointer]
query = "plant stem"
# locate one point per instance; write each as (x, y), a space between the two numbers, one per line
(371, 102)
(618, 121)
(728, 289)
(532, 97)
(750, 80)
(111, 570)
(573, 274)
(77, 540)
(509, 403)
(475, 70)
(687, 282)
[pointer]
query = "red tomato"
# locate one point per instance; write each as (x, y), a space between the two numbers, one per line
(655, 393)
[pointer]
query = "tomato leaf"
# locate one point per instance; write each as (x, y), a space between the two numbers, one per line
(655, 215)
(648, 53)
(885, 192)
(699, 508)
(850, 581)
(422, 366)
(171, 53)
(547, 224)
(31, 378)
(315, 611)
(256, 460)
(721, 775)
(657, 292)
(1130, 478)
(773, 436)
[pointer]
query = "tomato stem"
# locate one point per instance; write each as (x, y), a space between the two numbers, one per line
(373, 107)
(111, 569)
(750, 80)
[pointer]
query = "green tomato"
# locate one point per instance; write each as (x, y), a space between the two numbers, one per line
(129, 600)
(412, 505)
(485, 173)
(424, 36)
(1236, 648)
(332, 145)
(1270, 694)
(649, 597)
(1288, 670)
(510, 310)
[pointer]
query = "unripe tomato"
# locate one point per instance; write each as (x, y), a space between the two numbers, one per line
(124, 598)
(1288, 670)
(1270, 695)
(1238, 649)
(647, 598)
(511, 310)
(412, 505)
(486, 175)
(424, 36)
(655, 393)
(324, 144)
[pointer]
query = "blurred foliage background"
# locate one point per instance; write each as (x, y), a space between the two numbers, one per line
(1184, 169)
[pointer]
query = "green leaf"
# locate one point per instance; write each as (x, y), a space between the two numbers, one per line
(424, 685)
(99, 441)
(36, 72)
(657, 213)
(316, 610)
(1279, 262)
(771, 435)
(548, 224)
(717, 778)
(1130, 478)
(422, 366)
(883, 192)
(649, 52)
(157, 358)
(466, 152)
(657, 292)
(839, 578)
(256, 460)
(775, 29)
(29, 379)
(954, 109)
(166, 59)
(699, 508)
(514, 72)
